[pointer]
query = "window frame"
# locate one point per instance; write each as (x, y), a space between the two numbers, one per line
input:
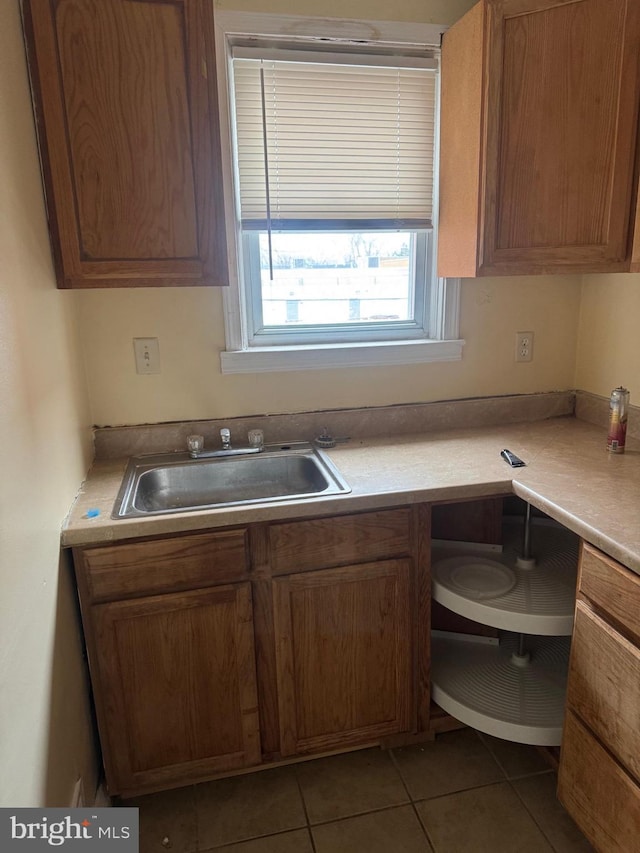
(437, 339)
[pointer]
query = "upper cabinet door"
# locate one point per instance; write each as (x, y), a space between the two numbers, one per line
(538, 137)
(127, 119)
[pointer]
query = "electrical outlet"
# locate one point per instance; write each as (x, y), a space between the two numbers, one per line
(524, 346)
(147, 352)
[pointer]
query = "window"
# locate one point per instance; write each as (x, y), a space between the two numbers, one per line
(333, 155)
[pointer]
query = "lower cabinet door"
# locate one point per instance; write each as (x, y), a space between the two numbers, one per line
(343, 650)
(602, 798)
(176, 688)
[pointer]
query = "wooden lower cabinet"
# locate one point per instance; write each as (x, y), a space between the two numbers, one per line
(604, 688)
(177, 686)
(599, 773)
(602, 798)
(228, 649)
(344, 655)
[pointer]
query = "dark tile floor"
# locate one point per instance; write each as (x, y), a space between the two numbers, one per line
(464, 793)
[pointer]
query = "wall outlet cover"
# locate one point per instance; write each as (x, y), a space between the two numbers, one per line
(524, 346)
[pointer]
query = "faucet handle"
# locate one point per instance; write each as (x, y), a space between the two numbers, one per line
(256, 438)
(225, 437)
(195, 443)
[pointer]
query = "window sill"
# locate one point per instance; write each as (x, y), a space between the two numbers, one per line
(319, 357)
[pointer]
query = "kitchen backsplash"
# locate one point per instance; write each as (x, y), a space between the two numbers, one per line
(595, 410)
(116, 442)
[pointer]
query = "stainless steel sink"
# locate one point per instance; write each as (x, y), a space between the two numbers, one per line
(174, 482)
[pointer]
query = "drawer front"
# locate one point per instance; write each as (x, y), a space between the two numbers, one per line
(611, 587)
(165, 565)
(604, 686)
(602, 799)
(325, 542)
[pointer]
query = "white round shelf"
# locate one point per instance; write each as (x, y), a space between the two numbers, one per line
(489, 587)
(479, 684)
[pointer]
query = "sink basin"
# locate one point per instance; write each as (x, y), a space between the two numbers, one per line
(174, 482)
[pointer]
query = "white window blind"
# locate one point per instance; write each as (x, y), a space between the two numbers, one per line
(324, 145)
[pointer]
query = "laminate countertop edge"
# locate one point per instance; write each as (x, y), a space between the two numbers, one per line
(569, 475)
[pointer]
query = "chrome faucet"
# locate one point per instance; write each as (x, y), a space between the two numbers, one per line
(195, 445)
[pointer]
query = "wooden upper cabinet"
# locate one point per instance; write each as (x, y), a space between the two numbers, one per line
(126, 107)
(538, 138)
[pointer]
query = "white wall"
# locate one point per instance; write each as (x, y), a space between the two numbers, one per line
(608, 354)
(188, 323)
(45, 733)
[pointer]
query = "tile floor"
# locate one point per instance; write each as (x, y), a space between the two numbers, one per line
(465, 793)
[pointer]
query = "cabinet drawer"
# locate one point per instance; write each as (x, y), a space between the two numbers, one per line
(325, 542)
(602, 799)
(164, 565)
(611, 587)
(604, 685)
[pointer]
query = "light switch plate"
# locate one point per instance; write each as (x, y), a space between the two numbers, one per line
(147, 353)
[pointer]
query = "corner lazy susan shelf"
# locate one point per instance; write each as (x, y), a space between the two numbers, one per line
(513, 686)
